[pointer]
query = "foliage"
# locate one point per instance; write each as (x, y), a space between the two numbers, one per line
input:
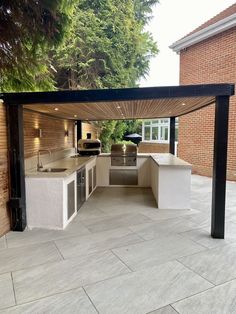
(29, 30)
(133, 126)
(106, 48)
(114, 131)
(76, 44)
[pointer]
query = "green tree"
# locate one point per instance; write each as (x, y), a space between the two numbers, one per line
(106, 48)
(29, 30)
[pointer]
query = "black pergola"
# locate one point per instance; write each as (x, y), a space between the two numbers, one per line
(220, 93)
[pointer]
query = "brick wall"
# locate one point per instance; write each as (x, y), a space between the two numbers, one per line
(210, 61)
(4, 214)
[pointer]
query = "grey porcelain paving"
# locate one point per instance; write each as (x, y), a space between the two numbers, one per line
(202, 220)
(28, 237)
(154, 252)
(203, 237)
(3, 244)
(170, 226)
(145, 291)
(101, 241)
(51, 278)
(161, 214)
(219, 300)
(23, 257)
(216, 265)
(74, 301)
(86, 212)
(165, 310)
(6, 291)
(114, 222)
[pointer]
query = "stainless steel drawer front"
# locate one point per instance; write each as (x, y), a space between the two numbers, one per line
(123, 177)
(123, 161)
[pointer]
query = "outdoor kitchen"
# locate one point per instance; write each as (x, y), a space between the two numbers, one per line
(66, 183)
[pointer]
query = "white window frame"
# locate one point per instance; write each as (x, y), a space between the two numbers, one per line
(159, 125)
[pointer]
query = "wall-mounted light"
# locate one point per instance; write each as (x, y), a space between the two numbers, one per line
(66, 132)
(38, 133)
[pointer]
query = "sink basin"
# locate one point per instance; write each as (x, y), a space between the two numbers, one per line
(54, 170)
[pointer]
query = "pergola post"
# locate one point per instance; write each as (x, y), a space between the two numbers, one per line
(219, 167)
(172, 136)
(79, 129)
(17, 202)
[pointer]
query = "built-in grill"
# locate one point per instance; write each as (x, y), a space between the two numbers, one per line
(123, 155)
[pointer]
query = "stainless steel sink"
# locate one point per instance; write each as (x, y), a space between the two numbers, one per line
(54, 170)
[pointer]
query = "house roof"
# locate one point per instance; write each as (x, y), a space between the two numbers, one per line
(126, 103)
(219, 23)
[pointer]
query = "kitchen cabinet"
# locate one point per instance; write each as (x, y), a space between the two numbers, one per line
(51, 202)
(81, 187)
(102, 168)
(90, 177)
(143, 165)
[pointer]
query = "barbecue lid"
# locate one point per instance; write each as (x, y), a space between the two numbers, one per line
(123, 149)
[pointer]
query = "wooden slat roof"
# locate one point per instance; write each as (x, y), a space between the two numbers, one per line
(133, 109)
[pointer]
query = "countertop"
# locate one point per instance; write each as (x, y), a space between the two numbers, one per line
(72, 164)
(170, 160)
(162, 159)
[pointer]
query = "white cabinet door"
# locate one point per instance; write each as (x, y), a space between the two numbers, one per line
(90, 177)
(69, 199)
(154, 179)
(103, 167)
(144, 175)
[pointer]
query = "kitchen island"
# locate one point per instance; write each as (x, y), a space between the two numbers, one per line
(168, 176)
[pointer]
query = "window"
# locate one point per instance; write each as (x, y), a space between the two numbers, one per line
(158, 130)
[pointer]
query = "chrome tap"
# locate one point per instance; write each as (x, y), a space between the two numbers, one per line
(39, 164)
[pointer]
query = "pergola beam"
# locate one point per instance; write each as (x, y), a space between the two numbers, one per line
(124, 94)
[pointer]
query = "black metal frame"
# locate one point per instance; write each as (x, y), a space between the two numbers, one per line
(16, 203)
(172, 136)
(79, 129)
(219, 167)
(125, 94)
(222, 92)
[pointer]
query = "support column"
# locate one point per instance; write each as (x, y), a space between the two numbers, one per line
(17, 203)
(79, 129)
(172, 136)
(219, 167)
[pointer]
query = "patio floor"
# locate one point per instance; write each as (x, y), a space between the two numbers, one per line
(122, 255)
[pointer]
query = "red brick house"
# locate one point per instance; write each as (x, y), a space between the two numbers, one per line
(208, 55)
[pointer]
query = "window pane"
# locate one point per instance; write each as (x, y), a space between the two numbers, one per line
(147, 133)
(155, 121)
(164, 133)
(155, 133)
(147, 123)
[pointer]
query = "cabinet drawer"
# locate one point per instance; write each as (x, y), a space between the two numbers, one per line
(123, 177)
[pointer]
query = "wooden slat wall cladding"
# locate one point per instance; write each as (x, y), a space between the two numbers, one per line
(53, 133)
(90, 128)
(4, 196)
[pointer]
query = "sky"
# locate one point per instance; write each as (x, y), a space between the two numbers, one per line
(173, 19)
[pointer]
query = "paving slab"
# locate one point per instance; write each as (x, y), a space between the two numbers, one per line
(144, 291)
